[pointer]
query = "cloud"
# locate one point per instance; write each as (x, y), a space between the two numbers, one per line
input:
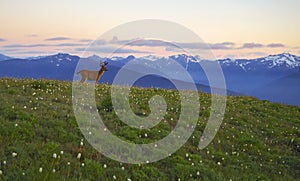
(69, 44)
(222, 46)
(149, 43)
(110, 49)
(202, 46)
(131, 42)
(160, 43)
(34, 52)
(2, 39)
(252, 45)
(173, 49)
(176, 45)
(57, 39)
(193, 45)
(44, 45)
(275, 45)
(85, 40)
(170, 46)
(259, 45)
(12, 50)
(24, 46)
(100, 42)
(114, 39)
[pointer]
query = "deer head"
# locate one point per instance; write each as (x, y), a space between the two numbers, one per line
(103, 66)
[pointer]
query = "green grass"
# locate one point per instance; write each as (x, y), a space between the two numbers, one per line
(258, 140)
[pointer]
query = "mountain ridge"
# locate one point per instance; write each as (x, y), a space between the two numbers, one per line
(242, 76)
(287, 59)
(4, 57)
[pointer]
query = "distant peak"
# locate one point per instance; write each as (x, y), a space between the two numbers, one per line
(63, 54)
(152, 57)
(57, 55)
(131, 57)
(179, 55)
(94, 56)
(286, 54)
(4, 57)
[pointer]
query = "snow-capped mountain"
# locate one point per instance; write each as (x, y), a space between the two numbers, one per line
(287, 60)
(280, 61)
(60, 66)
(244, 76)
(151, 58)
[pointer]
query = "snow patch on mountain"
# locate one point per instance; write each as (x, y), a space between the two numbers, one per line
(285, 60)
(152, 58)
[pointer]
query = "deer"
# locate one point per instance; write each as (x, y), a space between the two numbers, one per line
(93, 75)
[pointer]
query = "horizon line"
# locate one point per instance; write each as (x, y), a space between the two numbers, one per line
(74, 54)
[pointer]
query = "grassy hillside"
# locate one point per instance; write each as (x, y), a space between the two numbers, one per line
(40, 139)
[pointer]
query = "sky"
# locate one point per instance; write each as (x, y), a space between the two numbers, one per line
(232, 28)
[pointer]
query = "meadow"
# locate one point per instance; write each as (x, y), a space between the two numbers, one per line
(40, 138)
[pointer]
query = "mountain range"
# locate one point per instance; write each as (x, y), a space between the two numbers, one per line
(275, 77)
(4, 57)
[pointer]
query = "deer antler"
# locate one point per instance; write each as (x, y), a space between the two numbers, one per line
(103, 63)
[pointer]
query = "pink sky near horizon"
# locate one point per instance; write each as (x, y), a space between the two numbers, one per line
(255, 28)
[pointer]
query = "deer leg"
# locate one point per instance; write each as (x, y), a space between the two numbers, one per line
(97, 79)
(82, 80)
